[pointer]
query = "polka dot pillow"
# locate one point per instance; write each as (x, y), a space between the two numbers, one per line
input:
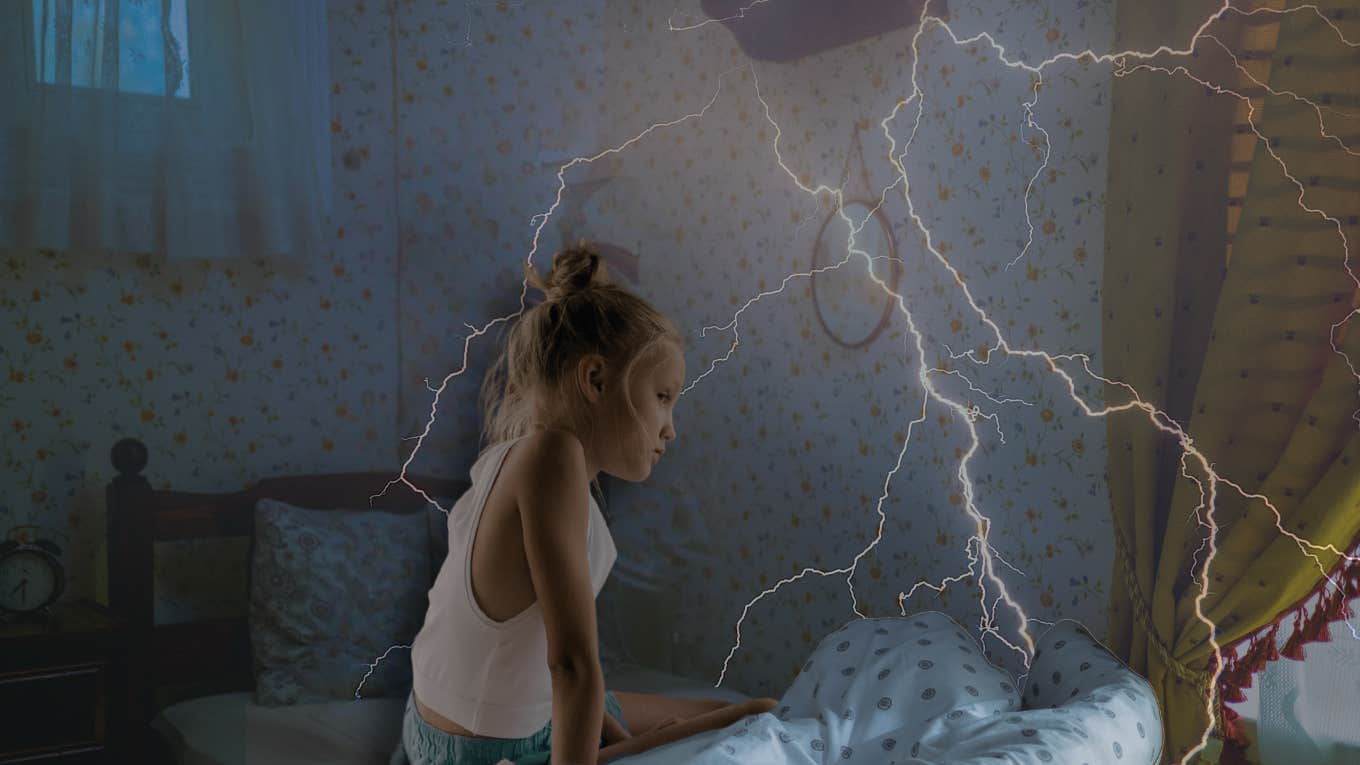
(1084, 701)
(1080, 705)
(887, 679)
(917, 690)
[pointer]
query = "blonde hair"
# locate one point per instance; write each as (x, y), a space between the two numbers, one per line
(582, 313)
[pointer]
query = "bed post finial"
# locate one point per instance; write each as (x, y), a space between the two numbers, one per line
(128, 509)
(129, 457)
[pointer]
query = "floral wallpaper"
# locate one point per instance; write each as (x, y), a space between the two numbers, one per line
(784, 447)
(228, 370)
(451, 123)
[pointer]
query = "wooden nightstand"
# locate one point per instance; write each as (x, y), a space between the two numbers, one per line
(56, 684)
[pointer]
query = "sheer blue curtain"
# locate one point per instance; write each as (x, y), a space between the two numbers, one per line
(189, 128)
(1305, 711)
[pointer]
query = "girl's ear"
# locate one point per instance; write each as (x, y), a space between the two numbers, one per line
(591, 377)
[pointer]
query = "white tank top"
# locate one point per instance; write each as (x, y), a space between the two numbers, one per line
(490, 677)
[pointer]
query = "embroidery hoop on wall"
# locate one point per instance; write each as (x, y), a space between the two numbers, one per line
(885, 227)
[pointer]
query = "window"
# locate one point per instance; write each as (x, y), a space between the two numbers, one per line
(148, 51)
(1304, 711)
(111, 141)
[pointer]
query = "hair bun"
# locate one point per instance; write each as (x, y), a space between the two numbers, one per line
(574, 269)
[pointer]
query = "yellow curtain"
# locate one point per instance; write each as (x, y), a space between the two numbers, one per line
(1219, 297)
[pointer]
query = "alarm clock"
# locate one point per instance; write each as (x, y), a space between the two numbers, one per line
(31, 576)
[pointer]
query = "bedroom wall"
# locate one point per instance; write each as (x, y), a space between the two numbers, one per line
(783, 450)
(449, 129)
(227, 370)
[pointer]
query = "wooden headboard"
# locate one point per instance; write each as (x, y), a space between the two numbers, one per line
(211, 655)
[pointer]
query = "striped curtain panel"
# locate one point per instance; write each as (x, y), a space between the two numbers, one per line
(1229, 305)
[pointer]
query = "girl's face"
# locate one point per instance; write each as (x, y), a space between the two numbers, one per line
(633, 445)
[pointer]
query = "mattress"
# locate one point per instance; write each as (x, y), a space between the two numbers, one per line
(230, 729)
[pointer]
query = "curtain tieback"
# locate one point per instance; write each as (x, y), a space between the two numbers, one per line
(1199, 679)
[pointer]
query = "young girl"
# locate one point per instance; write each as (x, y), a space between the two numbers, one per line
(506, 666)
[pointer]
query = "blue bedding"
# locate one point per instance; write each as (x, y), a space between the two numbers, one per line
(917, 690)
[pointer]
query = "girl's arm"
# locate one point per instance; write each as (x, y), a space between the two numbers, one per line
(665, 734)
(613, 730)
(552, 491)
(669, 731)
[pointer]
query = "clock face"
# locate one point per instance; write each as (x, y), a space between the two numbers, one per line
(27, 580)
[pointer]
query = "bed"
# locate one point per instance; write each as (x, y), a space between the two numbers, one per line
(190, 687)
(218, 691)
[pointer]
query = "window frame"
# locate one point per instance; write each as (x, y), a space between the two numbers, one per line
(138, 105)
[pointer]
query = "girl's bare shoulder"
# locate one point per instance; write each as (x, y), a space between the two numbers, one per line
(546, 461)
(549, 444)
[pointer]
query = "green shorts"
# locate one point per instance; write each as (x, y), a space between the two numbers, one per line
(424, 744)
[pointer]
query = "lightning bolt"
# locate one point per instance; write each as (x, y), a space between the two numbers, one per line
(373, 665)
(471, 7)
(978, 550)
(1322, 126)
(542, 219)
(1154, 414)
(740, 14)
(983, 523)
